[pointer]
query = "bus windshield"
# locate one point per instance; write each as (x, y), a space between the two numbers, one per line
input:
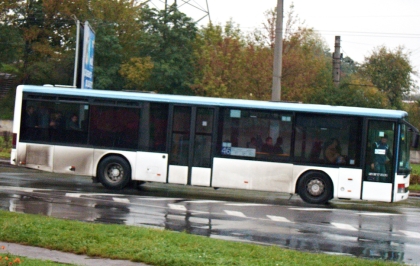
(404, 156)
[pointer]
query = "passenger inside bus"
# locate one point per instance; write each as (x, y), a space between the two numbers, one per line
(332, 152)
(278, 146)
(252, 144)
(74, 122)
(268, 145)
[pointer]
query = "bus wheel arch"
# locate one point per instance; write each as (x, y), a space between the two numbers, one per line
(114, 171)
(315, 187)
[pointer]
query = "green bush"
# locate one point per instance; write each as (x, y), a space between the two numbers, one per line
(5, 144)
(415, 174)
(7, 105)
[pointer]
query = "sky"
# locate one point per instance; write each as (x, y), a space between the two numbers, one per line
(362, 25)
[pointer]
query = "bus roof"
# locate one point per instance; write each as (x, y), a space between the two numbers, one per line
(212, 101)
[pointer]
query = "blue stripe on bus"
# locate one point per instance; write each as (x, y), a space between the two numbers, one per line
(211, 101)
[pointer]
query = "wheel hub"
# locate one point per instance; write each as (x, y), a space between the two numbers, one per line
(114, 173)
(315, 187)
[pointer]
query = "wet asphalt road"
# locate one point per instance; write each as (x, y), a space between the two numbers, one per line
(362, 229)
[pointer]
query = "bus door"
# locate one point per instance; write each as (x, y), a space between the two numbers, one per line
(191, 144)
(379, 164)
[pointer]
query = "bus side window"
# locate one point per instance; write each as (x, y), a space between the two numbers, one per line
(262, 135)
(327, 139)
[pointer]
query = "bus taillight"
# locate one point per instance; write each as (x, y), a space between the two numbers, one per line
(14, 138)
(401, 188)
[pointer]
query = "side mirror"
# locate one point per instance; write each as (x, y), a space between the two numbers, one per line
(415, 140)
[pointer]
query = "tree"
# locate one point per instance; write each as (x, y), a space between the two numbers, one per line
(306, 66)
(117, 34)
(168, 38)
(107, 59)
(42, 32)
(390, 71)
(46, 32)
(11, 44)
(353, 91)
(220, 62)
(137, 71)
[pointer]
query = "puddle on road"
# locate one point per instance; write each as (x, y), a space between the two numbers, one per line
(215, 227)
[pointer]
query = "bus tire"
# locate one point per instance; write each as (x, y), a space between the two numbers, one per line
(315, 188)
(114, 172)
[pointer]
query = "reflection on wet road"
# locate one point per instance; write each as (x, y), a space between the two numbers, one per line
(387, 231)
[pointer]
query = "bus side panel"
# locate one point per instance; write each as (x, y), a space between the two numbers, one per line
(252, 175)
(200, 176)
(73, 160)
(377, 191)
(151, 167)
(37, 156)
(178, 174)
(401, 193)
(349, 183)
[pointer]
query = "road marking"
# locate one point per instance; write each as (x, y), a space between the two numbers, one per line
(344, 226)
(279, 219)
(78, 195)
(121, 200)
(377, 214)
(24, 189)
(158, 199)
(411, 234)
(204, 201)
(310, 209)
(246, 204)
(235, 213)
(177, 207)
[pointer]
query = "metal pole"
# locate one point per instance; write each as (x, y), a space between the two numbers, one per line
(278, 48)
(336, 62)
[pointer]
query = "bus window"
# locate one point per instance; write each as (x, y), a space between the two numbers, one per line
(263, 135)
(379, 155)
(203, 137)
(180, 135)
(153, 127)
(158, 126)
(45, 121)
(325, 139)
(114, 127)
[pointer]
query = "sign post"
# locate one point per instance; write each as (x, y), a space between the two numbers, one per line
(87, 60)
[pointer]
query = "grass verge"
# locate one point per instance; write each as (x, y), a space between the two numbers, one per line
(153, 246)
(5, 145)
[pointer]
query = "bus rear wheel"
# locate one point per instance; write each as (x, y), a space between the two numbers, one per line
(114, 172)
(315, 187)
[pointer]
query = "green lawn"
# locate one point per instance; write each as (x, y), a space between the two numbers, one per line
(153, 246)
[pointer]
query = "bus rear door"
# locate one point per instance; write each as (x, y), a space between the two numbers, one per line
(191, 145)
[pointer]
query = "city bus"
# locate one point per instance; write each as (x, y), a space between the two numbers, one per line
(319, 152)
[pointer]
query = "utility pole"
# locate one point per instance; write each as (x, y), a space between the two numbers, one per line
(278, 50)
(337, 62)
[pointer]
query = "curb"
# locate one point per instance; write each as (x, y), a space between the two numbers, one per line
(61, 257)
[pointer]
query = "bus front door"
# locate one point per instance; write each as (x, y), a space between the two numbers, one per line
(191, 144)
(378, 177)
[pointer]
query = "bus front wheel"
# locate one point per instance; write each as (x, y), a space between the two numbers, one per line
(315, 187)
(114, 172)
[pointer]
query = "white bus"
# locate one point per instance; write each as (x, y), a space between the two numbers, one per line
(320, 152)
